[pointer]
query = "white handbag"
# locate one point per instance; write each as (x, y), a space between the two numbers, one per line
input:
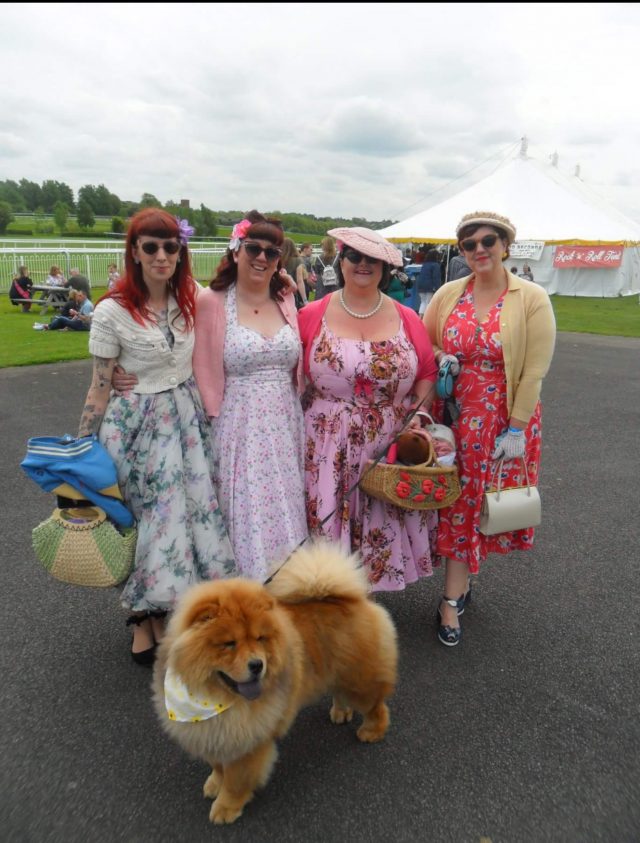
(504, 510)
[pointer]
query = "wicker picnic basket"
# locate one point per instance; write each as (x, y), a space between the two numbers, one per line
(427, 485)
(81, 547)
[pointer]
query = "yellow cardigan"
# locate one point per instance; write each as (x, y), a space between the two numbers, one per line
(527, 333)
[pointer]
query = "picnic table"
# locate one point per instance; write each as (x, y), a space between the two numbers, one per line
(51, 296)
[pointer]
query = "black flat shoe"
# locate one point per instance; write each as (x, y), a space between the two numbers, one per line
(144, 657)
(449, 635)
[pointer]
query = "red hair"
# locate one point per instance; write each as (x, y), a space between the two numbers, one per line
(131, 292)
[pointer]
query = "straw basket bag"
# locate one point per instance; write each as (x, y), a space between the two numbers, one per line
(427, 485)
(81, 547)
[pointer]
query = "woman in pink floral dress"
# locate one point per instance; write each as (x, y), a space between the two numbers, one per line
(498, 331)
(367, 359)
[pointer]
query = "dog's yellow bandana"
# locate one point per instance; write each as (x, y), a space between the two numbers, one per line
(183, 706)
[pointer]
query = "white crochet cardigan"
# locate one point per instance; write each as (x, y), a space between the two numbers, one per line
(143, 350)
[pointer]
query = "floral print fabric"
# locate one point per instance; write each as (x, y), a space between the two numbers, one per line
(162, 449)
(358, 397)
(481, 393)
(258, 446)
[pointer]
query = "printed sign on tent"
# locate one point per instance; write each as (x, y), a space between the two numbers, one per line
(530, 249)
(587, 257)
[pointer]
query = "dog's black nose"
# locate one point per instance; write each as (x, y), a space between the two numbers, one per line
(255, 667)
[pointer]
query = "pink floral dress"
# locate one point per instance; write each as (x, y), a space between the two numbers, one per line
(358, 396)
(258, 446)
(481, 393)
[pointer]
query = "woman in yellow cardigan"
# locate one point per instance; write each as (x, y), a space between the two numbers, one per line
(498, 331)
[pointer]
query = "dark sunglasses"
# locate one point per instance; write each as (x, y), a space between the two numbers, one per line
(487, 241)
(170, 247)
(355, 257)
(270, 253)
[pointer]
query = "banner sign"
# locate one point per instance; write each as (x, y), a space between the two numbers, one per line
(530, 249)
(587, 257)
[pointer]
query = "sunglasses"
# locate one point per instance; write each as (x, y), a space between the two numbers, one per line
(169, 246)
(487, 242)
(355, 257)
(254, 251)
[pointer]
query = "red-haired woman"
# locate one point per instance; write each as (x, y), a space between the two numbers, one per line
(157, 431)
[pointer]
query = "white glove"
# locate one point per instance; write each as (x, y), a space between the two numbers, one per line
(509, 445)
(455, 363)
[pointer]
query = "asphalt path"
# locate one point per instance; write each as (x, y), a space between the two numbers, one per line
(528, 731)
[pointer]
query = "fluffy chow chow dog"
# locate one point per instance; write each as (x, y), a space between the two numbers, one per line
(240, 659)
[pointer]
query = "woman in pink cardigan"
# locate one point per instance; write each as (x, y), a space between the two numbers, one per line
(368, 359)
(248, 366)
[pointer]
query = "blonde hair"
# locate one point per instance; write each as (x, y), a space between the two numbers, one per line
(328, 247)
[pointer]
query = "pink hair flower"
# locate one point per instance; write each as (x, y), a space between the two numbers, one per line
(238, 233)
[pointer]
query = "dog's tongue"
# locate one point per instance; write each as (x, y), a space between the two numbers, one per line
(249, 690)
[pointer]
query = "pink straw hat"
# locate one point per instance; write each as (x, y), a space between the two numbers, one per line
(369, 243)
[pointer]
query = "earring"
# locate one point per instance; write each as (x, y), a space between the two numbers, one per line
(136, 260)
(504, 255)
(178, 260)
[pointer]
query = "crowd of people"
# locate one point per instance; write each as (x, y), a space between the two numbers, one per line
(241, 416)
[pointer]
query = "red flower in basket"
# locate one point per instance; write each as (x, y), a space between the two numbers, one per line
(404, 476)
(440, 494)
(427, 486)
(419, 498)
(403, 490)
(442, 479)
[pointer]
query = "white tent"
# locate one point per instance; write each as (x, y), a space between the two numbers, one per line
(548, 209)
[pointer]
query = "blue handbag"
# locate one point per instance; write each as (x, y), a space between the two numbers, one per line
(77, 468)
(444, 383)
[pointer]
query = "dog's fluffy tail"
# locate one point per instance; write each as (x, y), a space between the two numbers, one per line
(319, 570)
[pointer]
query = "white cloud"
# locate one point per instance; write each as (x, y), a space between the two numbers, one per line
(316, 107)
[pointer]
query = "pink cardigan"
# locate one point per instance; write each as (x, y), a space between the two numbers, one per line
(208, 351)
(310, 319)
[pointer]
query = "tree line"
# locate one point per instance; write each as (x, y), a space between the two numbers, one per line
(55, 198)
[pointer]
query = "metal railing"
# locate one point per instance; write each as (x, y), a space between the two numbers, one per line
(92, 260)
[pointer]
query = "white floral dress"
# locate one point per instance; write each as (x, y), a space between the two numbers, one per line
(258, 446)
(161, 445)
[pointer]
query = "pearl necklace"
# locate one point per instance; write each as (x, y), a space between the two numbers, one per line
(361, 315)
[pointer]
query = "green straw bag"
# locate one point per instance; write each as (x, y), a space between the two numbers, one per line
(81, 547)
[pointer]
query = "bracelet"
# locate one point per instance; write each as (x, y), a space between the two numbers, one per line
(516, 431)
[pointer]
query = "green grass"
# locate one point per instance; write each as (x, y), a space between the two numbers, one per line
(618, 317)
(22, 346)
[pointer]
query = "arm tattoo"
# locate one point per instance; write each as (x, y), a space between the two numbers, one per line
(97, 397)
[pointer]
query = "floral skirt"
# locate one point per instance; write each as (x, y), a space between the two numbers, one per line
(161, 446)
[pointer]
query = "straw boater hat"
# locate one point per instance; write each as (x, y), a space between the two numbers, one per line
(368, 243)
(488, 218)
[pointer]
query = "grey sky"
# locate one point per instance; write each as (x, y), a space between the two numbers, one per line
(339, 109)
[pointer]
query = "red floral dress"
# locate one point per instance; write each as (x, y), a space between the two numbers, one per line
(481, 393)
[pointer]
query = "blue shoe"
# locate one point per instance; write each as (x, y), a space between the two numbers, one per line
(449, 635)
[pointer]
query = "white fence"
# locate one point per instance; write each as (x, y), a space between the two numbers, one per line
(92, 259)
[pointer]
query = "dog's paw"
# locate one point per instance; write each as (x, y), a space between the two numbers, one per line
(339, 715)
(212, 785)
(222, 813)
(369, 734)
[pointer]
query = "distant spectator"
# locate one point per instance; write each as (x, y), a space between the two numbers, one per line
(526, 272)
(55, 278)
(79, 318)
(21, 289)
(306, 253)
(429, 279)
(458, 268)
(419, 256)
(79, 282)
(295, 267)
(113, 276)
(327, 260)
(514, 270)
